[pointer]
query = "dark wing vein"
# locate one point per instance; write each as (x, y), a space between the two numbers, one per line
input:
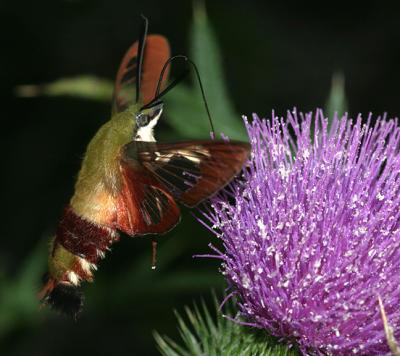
(191, 171)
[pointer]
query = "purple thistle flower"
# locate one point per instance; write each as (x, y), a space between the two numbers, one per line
(312, 232)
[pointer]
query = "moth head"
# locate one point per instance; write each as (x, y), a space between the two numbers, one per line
(145, 121)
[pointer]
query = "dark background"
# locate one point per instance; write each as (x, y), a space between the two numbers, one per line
(275, 56)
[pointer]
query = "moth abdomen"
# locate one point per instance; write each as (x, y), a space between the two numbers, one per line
(78, 246)
(84, 238)
(66, 299)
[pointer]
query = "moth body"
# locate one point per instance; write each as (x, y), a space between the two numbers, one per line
(130, 183)
(87, 228)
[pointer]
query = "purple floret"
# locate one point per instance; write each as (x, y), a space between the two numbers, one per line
(311, 232)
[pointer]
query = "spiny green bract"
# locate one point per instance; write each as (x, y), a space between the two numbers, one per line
(203, 334)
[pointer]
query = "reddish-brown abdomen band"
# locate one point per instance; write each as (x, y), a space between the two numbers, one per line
(82, 237)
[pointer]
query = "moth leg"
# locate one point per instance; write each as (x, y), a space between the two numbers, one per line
(153, 253)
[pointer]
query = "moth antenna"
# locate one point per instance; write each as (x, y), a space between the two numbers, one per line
(171, 85)
(159, 94)
(203, 94)
(141, 46)
(153, 253)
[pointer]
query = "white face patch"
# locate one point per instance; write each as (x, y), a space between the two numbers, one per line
(145, 132)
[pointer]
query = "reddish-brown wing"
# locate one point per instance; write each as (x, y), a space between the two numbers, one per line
(144, 204)
(156, 53)
(191, 171)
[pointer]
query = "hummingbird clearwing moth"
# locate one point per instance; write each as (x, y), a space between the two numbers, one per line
(128, 182)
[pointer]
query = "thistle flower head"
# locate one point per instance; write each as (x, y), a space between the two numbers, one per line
(311, 234)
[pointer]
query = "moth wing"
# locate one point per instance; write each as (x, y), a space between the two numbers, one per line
(144, 205)
(156, 53)
(190, 171)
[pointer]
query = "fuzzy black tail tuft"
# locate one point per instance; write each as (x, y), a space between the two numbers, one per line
(66, 299)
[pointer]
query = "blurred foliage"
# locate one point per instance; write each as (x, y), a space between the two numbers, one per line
(85, 87)
(18, 303)
(336, 103)
(163, 282)
(186, 111)
(205, 332)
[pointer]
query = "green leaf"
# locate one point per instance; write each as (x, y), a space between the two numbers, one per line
(186, 110)
(84, 86)
(19, 304)
(186, 113)
(204, 334)
(336, 102)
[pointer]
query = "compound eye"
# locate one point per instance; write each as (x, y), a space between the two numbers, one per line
(142, 119)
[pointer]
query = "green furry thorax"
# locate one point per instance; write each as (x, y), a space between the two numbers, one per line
(100, 165)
